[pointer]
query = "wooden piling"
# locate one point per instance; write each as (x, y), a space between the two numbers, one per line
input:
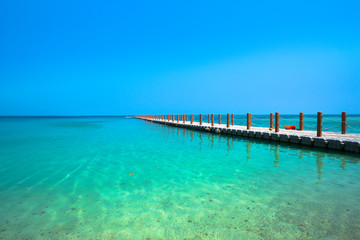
(183, 118)
(277, 122)
(178, 118)
(173, 118)
(232, 119)
(212, 120)
(319, 124)
(192, 118)
(271, 121)
(248, 121)
(219, 119)
(228, 120)
(343, 122)
(301, 121)
(209, 118)
(187, 118)
(200, 119)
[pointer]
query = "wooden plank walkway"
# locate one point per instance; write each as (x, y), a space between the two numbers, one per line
(331, 140)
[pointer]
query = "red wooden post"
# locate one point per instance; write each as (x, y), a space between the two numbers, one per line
(301, 123)
(228, 120)
(173, 118)
(219, 119)
(271, 121)
(209, 118)
(212, 120)
(248, 118)
(343, 122)
(319, 124)
(178, 118)
(232, 119)
(276, 122)
(200, 119)
(187, 117)
(192, 118)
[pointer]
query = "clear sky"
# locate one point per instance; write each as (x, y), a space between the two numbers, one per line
(139, 57)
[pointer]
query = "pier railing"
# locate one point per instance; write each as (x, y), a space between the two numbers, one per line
(319, 123)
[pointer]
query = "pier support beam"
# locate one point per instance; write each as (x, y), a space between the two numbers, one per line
(248, 121)
(301, 121)
(200, 119)
(271, 121)
(212, 120)
(192, 118)
(219, 119)
(319, 124)
(228, 120)
(276, 122)
(343, 122)
(209, 118)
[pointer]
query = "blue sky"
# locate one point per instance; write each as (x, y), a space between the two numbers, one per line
(141, 57)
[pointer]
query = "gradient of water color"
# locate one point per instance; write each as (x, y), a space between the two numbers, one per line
(106, 178)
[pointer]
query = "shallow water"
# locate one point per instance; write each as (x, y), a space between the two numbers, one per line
(105, 178)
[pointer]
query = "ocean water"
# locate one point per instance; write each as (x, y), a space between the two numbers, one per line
(117, 178)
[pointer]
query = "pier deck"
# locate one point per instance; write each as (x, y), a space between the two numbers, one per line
(331, 140)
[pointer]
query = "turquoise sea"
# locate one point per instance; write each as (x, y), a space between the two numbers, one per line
(117, 178)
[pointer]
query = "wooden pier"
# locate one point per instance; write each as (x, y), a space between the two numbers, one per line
(336, 141)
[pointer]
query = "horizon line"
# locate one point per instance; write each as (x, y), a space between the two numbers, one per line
(58, 116)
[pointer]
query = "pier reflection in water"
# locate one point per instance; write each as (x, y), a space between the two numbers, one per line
(206, 139)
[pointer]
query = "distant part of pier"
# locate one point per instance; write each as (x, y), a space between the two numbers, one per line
(342, 141)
